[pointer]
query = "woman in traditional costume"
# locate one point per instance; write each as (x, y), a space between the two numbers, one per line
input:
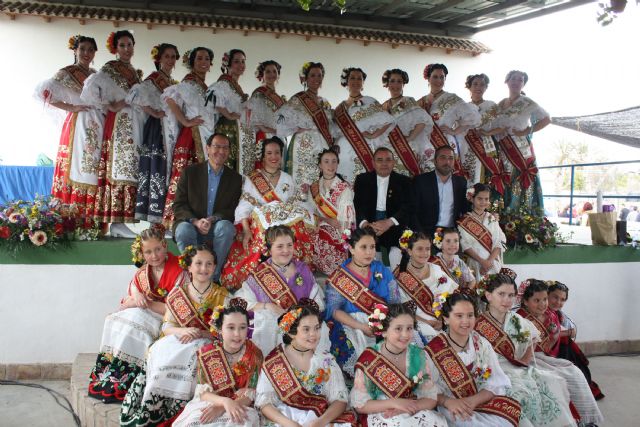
(452, 116)
(353, 290)
(152, 169)
(481, 237)
(161, 391)
(300, 384)
(230, 104)
(558, 294)
(410, 137)
(543, 395)
(75, 176)
(421, 281)
(121, 138)
(263, 104)
(276, 284)
(365, 126)
(482, 161)
(447, 241)
(130, 331)
(227, 374)
(392, 386)
(268, 198)
(520, 116)
(466, 369)
(332, 202)
(191, 122)
(308, 117)
(535, 308)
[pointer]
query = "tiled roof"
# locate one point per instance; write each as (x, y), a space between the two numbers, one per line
(238, 23)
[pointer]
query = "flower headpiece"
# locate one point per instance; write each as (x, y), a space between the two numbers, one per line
(155, 54)
(509, 272)
(437, 238)
(425, 73)
(226, 58)
(111, 46)
(73, 42)
(308, 302)
(182, 259)
(438, 303)
(481, 286)
(470, 193)
(289, 319)
(215, 315)
(375, 319)
(185, 58)
(521, 290)
(303, 72)
(346, 236)
(136, 251)
(344, 77)
(404, 239)
(259, 73)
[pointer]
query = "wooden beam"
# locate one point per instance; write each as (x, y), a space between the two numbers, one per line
(246, 33)
(277, 35)
(366, 43)
(422, 48)
(338, 41)
(46, 19)
(394, 45)
(116, 24)
(181, 28)
(149, 26)
(307, 37)
(12, 16)
(82, 21)
(449, 51)
(214, 30)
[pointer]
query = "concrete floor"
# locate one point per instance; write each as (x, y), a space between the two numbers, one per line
(618, 377)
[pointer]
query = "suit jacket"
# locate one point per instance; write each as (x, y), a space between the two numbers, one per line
(365, 197)
(427, 201)
(192, 191)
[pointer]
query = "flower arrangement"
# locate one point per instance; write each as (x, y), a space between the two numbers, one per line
(303, 72)
(442, 280)
(404, 239)
(438, 302)
(73, 42)
(437, 238)
(155, 54)
(299, 280)
(136, 251)
(375, 319)
(111, 46)
(529, 229)
(289, 319)
(419, 378)
(185, 59)
(520, 335)
(346, 236)
(43, 222)
(182, 259)
(378, 276)
(471, 192)
(226, 58)
(482, 372)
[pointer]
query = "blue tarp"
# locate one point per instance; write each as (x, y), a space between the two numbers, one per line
(24, 182)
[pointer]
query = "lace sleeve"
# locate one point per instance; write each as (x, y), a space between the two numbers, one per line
(498, 381)
(100, 89)
(427, 388)
(346, 210)
(336, 387)
(335, 301)
(265, 394)
(359, 395)
(144, 94)
(227, 98)
(261, 113)
(52, 90)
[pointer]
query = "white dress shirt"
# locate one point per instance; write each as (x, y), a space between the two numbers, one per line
(445, 202)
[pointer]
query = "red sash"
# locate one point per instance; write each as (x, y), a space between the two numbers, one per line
(462, 384)
(499, 179)
(498, 338)
(77, 73)
(477, 230)
(388, 378)
(545, 345)
(443, 265)
(271, 95)
(354, 136)
(416, 289)
(321, 203)
(143, 278)
(526, 167)
(159, 80)
(216, 370)
(126, 71)
(234, 85)
(317, 114)
(354, 291)
(192, 77)
(284, 381)
(406, 154)
(274, 285)
(264, 187)
(183, 311)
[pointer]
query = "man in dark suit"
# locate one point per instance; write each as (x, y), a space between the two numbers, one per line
(206, 200)
(440, 198)
(382, 201)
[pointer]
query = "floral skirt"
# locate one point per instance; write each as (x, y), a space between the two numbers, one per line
(152, 173)
(156, 410)
(111, 378)
(328, 249)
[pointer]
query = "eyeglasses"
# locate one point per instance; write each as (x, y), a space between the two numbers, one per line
(220, 147)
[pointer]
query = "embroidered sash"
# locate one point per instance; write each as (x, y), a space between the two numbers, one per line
(323, 205)
(318, 115)
(284, 381)
(264, 187)
(462, 384)
(545, 343)
(217, 370)
(416, 289)
(271, 96)
(192, 77)
(159, 80)
(406, 154)
(354, 291)
(354, 136)
(500, 341)
(385, 375)
(499, 179)
(526, 167)
(479, 232)
(77, 73)
(274, 286)
(234, 85)
(183, 310)
(443, 265)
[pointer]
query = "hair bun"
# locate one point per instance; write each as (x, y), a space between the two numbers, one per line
(509, 272)
(238, 302)
(411, 305)
(308, 302)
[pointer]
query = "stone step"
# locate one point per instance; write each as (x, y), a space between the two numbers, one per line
(92, 412)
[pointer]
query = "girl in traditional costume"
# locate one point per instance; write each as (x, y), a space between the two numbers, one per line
(308, 117)
(300, 384)
(482, 161)
(558, 294)
(152, 169)
(76, 171)
(410, 137)
(365, 126)
(535, 308)
(447, 240)
(227, 374)
(452, 116)
(230, 104)
(191, 122)
(352, 291)
(481, 237)
(543, 395)
(268, 198)
(122, 136)
(520, 117)
(129, 332)
(158, 394)
(421, 281)
(276, 284)
(332, 202)
(263, 104)
(393, 386)
(465, 368)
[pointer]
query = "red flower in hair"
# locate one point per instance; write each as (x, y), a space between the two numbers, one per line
(4, 232)
(110, 43)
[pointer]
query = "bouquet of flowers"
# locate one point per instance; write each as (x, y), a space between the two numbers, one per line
(529, 229)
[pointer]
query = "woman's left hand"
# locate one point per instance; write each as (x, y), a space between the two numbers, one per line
(210, 413)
